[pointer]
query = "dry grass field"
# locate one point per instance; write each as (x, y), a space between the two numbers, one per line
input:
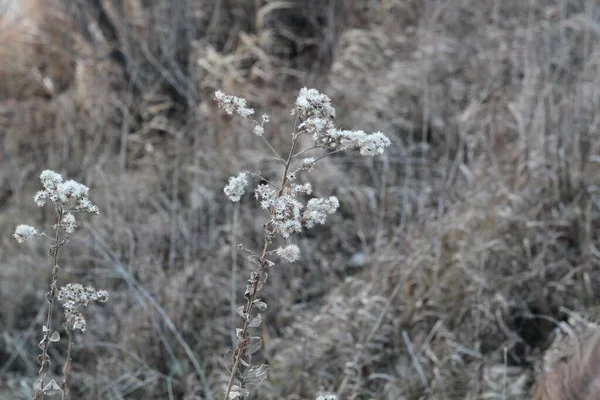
(445, 272)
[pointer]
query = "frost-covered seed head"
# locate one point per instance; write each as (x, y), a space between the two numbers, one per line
(368, 144)
(233, 104)
(327, 396)
(74, 296)
(24, 233)
(68, 222)
(259, 130)
(40, 198)
(70, 191)
(317, 210)
(311, 103)
(236, 187)
(308, 163)
(70, 195)
(290, 253)
(304, 188)
(50, 179)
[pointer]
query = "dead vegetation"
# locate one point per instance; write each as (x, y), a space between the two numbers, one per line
(453, 257)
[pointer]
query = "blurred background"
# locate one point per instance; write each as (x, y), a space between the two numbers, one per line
(449, 264)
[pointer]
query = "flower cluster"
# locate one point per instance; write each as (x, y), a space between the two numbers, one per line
(317, 115)
(70, 195)
(236, 187)
(327, 396)
(233, 104)
(24, 233)
(312, 104)
(74, 296)
(286, 212)
(289, 253)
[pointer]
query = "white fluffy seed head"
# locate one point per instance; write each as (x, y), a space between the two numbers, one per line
(259, 130)
(70, 195)
(50, 179)
(289, 253)
(24, 233)
(233, 104)
(236, 187)
(74, 296)
(327, 396)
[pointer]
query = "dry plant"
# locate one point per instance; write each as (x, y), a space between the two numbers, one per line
(469, 235)
(68, 197)
(574, 374)
(288, 215)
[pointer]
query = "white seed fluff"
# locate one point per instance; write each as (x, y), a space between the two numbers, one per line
(290, 253)
(236, 187)
(24, 233)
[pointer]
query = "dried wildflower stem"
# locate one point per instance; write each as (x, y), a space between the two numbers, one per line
(68, 197)
(240, 352)
(67, 367)
(287, 214)
(43, 358)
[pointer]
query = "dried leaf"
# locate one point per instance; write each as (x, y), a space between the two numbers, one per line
(262, 281)
(255, 375)
(37, 385)
(229, 360)
(261, 305)
(55, 336)
(52, 388)
(249, 291)
(254, 344)
(241, 310)
(238, 333)
(255, 323)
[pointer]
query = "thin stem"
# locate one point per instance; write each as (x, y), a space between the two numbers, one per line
(50, 296)
(67, 366)
(240, 352)
(306, 150)
(277, 156)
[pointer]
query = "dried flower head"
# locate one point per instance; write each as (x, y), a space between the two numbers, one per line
(70, 195)
(233, 104)
(50, 179)
(290, 253)
(311, 103)
(259, 130)
(327, 396)
(74, 296)
(236, 187)
(68, 222)
(24, 233)
(317, 210)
